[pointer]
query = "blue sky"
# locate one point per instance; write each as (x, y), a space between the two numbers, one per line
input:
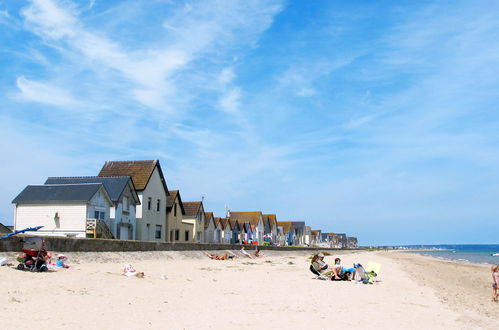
(375, 118)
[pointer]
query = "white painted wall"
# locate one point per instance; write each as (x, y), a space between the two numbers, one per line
(274, 233)
(209, 233)
(227, 234)
(155, 191)
(186, 226)
(260, 230)
(122, 217)
(174, 222)
(198, 226)
(72, 218)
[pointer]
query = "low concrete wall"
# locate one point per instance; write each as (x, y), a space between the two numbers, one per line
(66, 244)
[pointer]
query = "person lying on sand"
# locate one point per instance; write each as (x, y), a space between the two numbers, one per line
(243, 251)
(224, 256)
(320, 266)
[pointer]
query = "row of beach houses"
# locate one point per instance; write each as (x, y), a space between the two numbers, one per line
(130, 200)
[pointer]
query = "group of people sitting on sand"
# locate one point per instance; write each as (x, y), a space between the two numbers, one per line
(335, 272)
(227, 256)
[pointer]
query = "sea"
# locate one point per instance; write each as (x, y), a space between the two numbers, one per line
(474, 253)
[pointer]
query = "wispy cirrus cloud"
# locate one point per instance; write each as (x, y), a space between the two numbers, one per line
(341, 115)
(45, 93)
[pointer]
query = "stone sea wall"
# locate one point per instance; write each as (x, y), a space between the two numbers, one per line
(67, 244)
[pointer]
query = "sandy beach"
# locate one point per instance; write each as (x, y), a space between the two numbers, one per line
(187, 290)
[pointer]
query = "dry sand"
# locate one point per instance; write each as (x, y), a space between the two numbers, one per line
(275, 291)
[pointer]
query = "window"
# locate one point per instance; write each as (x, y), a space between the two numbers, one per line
(187, 236)
(158, 232)
(149, 203)
(157, 205)
(198, 236)
(125, 203)
(100, 215)
(175, 210)
(177, 235)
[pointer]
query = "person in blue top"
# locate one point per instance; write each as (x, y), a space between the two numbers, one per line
(340, 270)
(60, 261)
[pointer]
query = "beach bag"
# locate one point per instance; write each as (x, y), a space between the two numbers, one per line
(362, 273)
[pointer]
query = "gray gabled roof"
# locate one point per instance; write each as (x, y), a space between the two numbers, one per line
(52, 193)
(114, 185)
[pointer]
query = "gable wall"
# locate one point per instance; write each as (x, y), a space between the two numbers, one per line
(120, 216)
(175, 222)
(156, 191)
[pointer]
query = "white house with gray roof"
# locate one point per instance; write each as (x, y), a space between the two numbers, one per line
(122, 214)
(151, 188)
(62, 209)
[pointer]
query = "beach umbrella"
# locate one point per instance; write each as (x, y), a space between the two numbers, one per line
(21, 231)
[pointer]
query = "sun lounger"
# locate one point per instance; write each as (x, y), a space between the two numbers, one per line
(319, 275)
(372, 271)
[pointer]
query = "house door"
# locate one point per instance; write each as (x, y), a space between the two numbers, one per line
(124, 232)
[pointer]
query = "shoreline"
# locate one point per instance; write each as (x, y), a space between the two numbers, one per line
(463, 286)
(185, 289)
(464, 261)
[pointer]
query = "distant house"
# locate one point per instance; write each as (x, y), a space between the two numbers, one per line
(270, 222)
(219, 230)
(325, 238)
(64, 209)
(298, 228)
(179, 231)
(352, 242)
(256, 230)
(342, 238)
(209, 227)
(307, 236)
(287, 234)
(236, 229)
(194, 214)
(122, 217)
(226, 230)
(335, 240)
(4, 229)
(316, 237)
(245, 232)
(151, 188)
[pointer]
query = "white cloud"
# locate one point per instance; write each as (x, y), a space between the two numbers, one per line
(306, 92)
(50, 20)
(226, 76)
(230, 101)
(149, 70)
(45, 93)
(4, 14)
